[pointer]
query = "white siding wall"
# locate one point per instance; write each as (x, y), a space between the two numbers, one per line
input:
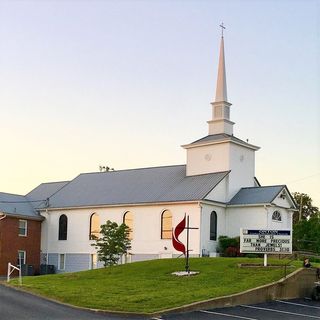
(255, 218)
(146, 229)
(208, 159)
(245, 217)
(206, 243)
(220, 191)
(223, 157)
(242, 165)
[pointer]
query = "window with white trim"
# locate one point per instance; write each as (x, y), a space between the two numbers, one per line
(128, 221)
(213, 226)
(166, 225)
(23, 228)
(63, 227)
(276, 216)
(94, 226)
(62, 261)
(21, 257)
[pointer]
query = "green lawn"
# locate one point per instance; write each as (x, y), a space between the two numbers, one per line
(149, 286)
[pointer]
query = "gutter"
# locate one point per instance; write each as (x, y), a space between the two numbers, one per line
(21, 216)
(121, 205)
(275, 205)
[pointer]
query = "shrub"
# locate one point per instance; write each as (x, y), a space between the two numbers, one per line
(229, 247)
(232, 252)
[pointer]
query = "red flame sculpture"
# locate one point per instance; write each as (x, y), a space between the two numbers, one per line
(177, 244)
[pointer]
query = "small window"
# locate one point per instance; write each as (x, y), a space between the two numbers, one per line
(128, 220)
(94, 261)
(94, 226)
(21, 257)
(276, 216)
(166, 225)
(23, 228)
(63, 227)
(213, 226)
(62, 261)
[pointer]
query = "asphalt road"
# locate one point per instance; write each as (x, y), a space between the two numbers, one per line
(295, 309)
(17, 305)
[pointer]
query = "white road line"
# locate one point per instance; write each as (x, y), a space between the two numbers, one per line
(298, 304)
(227, 315)
(286, 312)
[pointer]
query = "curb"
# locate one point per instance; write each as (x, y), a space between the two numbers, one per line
(275, 290)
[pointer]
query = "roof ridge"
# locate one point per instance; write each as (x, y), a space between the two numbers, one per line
(53, 182)
(207, 174)
(259, 187)
(13, 194)
(133, 169)
(46, 183)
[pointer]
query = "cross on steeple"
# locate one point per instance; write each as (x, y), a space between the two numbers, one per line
(222, 27)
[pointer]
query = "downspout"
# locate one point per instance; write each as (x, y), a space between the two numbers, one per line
(46, 216)
(200, 231)
(265, 207)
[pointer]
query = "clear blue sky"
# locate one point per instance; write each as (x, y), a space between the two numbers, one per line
(125, 83)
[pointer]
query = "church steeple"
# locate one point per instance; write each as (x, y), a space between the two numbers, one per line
(221, 90)
(220, 122)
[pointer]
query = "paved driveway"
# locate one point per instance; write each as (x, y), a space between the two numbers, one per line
(17, 305)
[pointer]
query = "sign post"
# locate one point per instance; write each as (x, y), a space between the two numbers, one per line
(11, 268)
(266, 242)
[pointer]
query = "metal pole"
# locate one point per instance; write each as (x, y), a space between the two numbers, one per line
(20, 277)
(265, 260)
(187, 256)
(8, 274)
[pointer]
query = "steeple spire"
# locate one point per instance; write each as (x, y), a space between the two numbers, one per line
(221, 90)
(220, 122)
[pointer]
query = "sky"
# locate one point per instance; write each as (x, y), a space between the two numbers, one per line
(124, 84)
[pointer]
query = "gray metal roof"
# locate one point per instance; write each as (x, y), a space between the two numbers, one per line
(222, 137)
(256, 195)
(14, 204)
(42, 192)
(146, 185)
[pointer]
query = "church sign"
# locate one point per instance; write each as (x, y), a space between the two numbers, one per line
(265, 241)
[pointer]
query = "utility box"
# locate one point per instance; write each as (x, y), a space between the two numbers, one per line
(47, 269)
(27, 270)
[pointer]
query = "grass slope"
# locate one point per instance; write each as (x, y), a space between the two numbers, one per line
(149, 286)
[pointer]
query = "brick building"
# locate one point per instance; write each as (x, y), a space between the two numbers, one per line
(20, 233)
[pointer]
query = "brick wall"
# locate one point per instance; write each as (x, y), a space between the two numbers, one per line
(11, 242)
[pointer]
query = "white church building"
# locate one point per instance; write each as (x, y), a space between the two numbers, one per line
(216, 187)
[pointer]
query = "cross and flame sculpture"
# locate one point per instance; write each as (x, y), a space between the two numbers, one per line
(177, 244)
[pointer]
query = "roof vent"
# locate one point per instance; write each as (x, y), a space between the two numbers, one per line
(283, 194)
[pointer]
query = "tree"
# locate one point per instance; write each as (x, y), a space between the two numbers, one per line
(305, 207)
(113, 243)
(306, 235)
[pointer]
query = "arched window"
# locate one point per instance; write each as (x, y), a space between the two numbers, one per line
(128, 220)
(94, 226)
(63, 227)
(213, 225)
(166, 225)
(276, 216)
